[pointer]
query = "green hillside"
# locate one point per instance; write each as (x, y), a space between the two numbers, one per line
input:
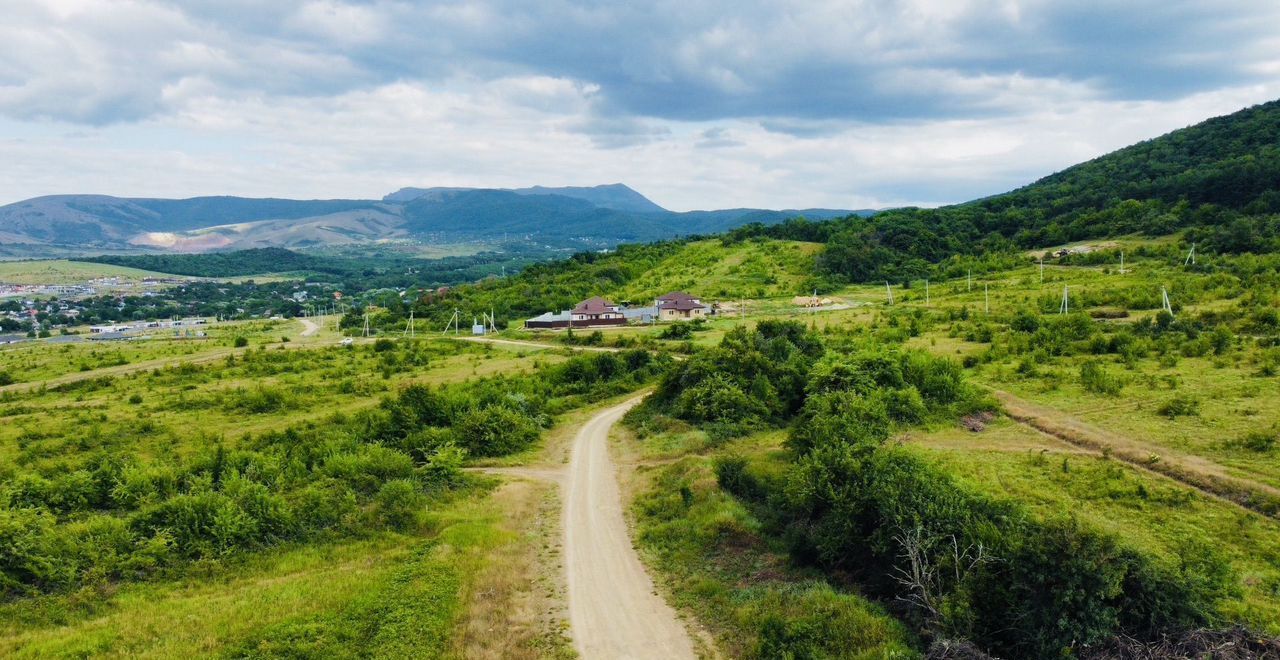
(1219, 181)
(1216, 184)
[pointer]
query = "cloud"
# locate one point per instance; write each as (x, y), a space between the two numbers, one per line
(801, 103)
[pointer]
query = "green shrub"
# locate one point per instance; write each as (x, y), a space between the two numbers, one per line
(495, 431)
(368, 466)
(398, 502)
(677, 331)
(1259, 441)
(1179, 406)
(240, 341)
(1094, 378)
(28, 556)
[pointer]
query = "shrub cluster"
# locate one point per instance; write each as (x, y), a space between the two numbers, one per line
(959, 563)
(113, 518)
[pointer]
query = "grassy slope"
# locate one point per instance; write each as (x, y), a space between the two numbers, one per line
(709, 269)
(185, 408)
(61, 271)
(1143, 508)
(388, 595)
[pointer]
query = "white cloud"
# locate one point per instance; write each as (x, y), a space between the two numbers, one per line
(698, 104)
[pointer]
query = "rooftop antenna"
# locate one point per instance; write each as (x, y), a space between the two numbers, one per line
(1066, 305)
(1191, 256)
(1164, 301)
(889, 289)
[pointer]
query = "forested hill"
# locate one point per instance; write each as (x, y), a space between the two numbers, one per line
(1219, 180)
(1232, 162)
(362, 273)
(257, 261)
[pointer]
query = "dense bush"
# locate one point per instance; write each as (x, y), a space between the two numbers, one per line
(116, 518)
(964, 565)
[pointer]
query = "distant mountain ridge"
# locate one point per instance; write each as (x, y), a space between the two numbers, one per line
(572, 216)
(615, 196)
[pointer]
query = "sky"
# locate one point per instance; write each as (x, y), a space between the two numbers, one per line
(696, 104)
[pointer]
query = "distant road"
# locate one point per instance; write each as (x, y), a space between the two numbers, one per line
(309, 327)
(613, 610)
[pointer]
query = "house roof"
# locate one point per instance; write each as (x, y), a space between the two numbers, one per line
(549, 317)
(595, 305)
(676, 295)
(683, 305)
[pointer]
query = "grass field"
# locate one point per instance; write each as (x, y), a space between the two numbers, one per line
(62, 271)
(708, 269)
(376, 594)
(391, 595)
(34, 361)
(1145, 509)
(184, 408)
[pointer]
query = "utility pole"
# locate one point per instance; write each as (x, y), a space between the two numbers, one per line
(1164, 301)
(1191, 256)
(969, 278)
(926, 292)
(889, 289)
(986, 299)
(1066, 305)
(408, 329)
(1042, 270)
(1122, 262)
(366, 324)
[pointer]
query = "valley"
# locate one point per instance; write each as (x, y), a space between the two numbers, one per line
(1039, 424)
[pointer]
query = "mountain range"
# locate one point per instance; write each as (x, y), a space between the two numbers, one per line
(582, 216)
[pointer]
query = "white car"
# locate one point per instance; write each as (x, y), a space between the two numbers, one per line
(347, 342)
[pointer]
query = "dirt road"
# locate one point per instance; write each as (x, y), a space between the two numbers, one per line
(520, 343)
(613, 610)
(309, 327)
(1197, 472)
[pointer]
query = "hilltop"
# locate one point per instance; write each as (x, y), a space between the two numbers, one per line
(593, 217)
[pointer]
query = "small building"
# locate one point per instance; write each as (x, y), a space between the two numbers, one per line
(678, 305)
(107, 329)
(643, 315)
(108, 336)
(548, 321)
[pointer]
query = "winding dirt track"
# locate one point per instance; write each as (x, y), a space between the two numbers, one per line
(613, 610)
(309, 327)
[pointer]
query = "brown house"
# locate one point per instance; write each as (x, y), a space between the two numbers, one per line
(679, 305)
(590, 313)
(596, 311)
